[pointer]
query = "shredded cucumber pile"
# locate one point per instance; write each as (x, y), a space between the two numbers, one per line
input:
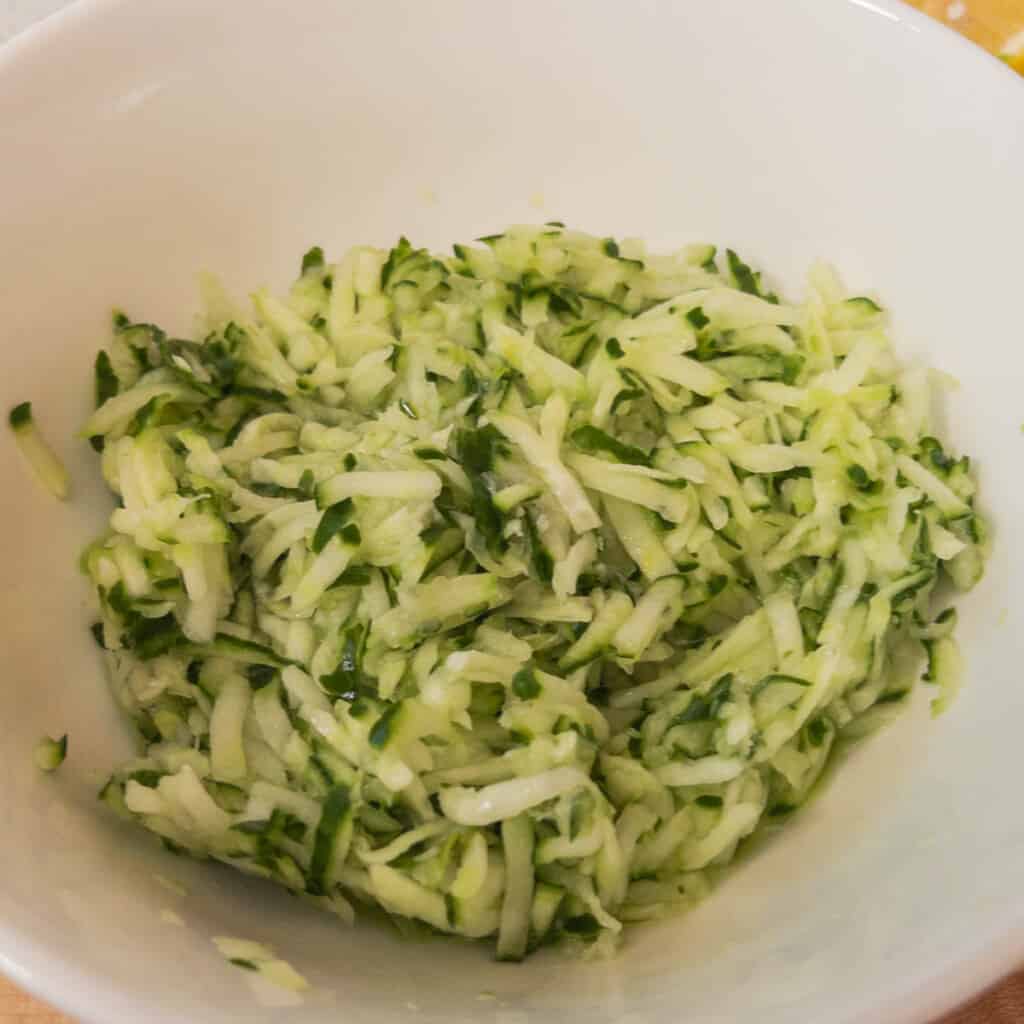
(509, 591)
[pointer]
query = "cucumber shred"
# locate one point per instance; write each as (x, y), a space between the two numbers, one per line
(260, 959)
(50, 753)
(41, 458)
(510, 591)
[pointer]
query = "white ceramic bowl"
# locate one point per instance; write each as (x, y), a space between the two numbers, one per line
(145, 140)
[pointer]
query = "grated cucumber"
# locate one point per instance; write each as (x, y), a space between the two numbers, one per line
(512, 590)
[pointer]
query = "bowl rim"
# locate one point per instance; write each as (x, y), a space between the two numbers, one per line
(88, 994)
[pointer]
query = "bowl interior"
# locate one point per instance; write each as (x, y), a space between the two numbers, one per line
(144, 142)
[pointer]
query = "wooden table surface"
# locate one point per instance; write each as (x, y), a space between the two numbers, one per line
(993, 24)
